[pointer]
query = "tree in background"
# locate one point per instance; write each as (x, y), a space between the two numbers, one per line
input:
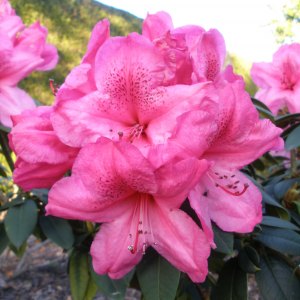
(288, 29)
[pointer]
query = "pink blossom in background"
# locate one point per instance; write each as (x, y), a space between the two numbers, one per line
(122, 189)
(42, 158)
(279, 80)
(22, 51)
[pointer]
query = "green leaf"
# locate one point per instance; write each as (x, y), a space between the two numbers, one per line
(4, 129)
(283, 186)
(232, 282)
(57, 230)
(293, 140)
(263, 110)
(114, 289)
(248, 259)
(276, 280)
(91, 290)
(268, 199)
(223, 240)
(277, 222)
(283, 121)
(282, 240)
(20, 222)
(158, 278)
(79, 274)
(15, 202)
(3, 238)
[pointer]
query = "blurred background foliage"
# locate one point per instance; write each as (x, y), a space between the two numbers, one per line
(288, 28)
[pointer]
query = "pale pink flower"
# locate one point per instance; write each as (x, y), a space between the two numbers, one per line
(42, 159)
(191, 53)
(238, 137)
(22, 51)
(279, 80)
(138, 205)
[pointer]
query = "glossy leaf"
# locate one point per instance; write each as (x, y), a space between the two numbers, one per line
(293, 139)
(114, 289)
(58, 230)
(283, 186)
(282, 240)
(277, 222)
(232, 282)
(223, 240)
(276, 280)
(158, 278)
(79, 274)
(20, 221)
(248, 259)
(285, 120)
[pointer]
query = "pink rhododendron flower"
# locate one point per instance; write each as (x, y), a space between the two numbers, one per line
(42, 158)
(121, 91)
(22, 51)
(191, 53)
(224, 194)
(138, 205)
(279, 81)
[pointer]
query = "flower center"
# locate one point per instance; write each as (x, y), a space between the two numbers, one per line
(141, 235)
(134, 132)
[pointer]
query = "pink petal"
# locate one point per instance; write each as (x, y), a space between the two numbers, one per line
(99, 35)
(34, 140)
(118, 171)
(12, 102)
(38, 175)
(238, 212)
(81, 121)
(156, 25)
(129, 81)
(181, 242)
(109, 249)
(265, 75)
(211, 52)
(241, 136)
(176, 178)
(69, 198)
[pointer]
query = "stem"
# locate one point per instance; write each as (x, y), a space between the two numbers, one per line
(6, 151)
(293, 162)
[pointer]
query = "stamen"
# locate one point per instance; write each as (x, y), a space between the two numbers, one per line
(53, 86)
(141, 226)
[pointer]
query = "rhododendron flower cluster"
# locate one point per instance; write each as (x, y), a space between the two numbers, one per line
(22, 51)
(279, 81)
(144, 122)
